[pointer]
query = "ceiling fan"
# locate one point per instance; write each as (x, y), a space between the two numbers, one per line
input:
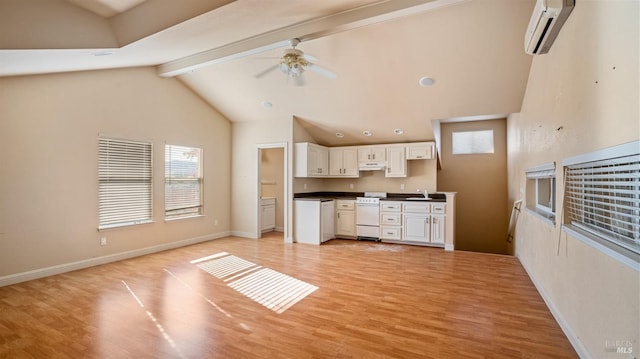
(294, 62)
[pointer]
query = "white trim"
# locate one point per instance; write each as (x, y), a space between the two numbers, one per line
(448, 247)
(579, 347)
(542, 167)
(287, 190)
(629, 262)
(86, 263)
(249, 235)
(548, 217)
(625, 149)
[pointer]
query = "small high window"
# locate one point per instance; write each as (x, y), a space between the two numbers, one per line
(472, 142)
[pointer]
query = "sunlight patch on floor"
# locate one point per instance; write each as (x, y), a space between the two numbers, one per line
(265, 286)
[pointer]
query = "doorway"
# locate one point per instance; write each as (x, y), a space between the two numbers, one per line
(272, 189)
(474, 164)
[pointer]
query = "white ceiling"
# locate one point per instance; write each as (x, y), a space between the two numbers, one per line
(379, 50)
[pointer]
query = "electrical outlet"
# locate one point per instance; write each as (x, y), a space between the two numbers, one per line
(350, 185)
(215, 222)
(305, 186)
(103, 241)
(402, 186)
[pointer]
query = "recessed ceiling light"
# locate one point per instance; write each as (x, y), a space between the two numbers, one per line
(267, 104)
(426, 81)
(367, 133)
(398, 131)
(339, 134)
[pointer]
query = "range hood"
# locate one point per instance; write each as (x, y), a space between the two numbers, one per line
(372, 166)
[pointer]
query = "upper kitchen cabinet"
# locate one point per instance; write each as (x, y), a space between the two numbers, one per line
(396, 161)
(372, 153)
(343, 162)
(311, 160)
(420, 151)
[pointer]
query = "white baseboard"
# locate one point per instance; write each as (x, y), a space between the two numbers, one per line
(448, 247)
(244, 234)
(279, 229)
(566, 328)
(85, 263)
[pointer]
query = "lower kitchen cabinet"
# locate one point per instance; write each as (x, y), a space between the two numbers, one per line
(416, 227)
(345, 219)
(314, 221)
(437, 228)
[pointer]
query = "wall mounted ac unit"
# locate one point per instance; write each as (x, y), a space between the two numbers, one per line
(544, 26)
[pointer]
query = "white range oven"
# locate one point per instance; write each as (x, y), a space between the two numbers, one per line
(368, 215)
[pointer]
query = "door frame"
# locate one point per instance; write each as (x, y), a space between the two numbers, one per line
(286, 190)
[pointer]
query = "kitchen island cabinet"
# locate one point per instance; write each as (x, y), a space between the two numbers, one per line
(314, 220)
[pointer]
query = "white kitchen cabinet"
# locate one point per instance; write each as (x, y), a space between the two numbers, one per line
(396, 161)
(346, 218)
(314, 221)
(424, 222)
(311, 160)
(343, 162)
(390, 220)
(268, 217)
(372, 153)
(416, 227)
(437, 228)
(420, 151)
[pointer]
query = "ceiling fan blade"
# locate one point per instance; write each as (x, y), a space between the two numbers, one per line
(268, 70)
(310, 57)
(322, 71)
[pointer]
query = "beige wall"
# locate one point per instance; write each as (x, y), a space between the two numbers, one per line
(480, 181)
(272, 180)
(581, 97)
(246, 137)
(421, 175)
(49, 127)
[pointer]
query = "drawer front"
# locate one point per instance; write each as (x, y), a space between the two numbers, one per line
(390, 206)
(439, 208)
(390, 232)
(390, 218)
(343, 204)
(420, 207)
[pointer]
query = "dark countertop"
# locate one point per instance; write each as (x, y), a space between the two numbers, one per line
(325, 196)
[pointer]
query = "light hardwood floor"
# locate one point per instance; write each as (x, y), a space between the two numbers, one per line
(372, 301)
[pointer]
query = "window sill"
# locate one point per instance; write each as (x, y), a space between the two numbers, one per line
(620, 254)
(544, 216)
(121, 225)
(185, 217)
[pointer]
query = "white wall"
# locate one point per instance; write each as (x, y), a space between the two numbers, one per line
(49, 127)
(246, 136)
(582, 96)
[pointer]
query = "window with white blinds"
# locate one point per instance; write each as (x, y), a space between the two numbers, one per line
(183, 182)
(602, 197)
(125, 183)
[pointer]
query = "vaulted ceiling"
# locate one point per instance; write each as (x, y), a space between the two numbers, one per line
(472, 49)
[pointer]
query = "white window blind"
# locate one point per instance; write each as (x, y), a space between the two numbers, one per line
(472, 142)
(183, 181)
(603, 197)
(125, 182)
